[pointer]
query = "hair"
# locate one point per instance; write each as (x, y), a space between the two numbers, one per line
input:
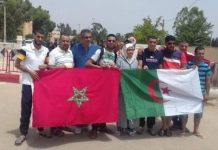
(199, 48)
(111, 35)
(170, 38)
(151, 37)
(85, 31)
(41, 31)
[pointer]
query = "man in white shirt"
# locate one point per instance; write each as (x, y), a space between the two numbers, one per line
(61, 56)
(29, 59)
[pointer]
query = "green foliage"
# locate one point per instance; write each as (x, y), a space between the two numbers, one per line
(65, 29)
(19, 11)
(29, 36)
(214, 42)
(192, 26)
(41, 20)
(98, 31)
(148, 28)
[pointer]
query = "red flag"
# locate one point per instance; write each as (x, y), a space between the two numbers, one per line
(75, 96)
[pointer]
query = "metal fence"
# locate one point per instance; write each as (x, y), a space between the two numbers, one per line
(7, 60)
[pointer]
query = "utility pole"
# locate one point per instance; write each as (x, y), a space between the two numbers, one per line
(5, 33)
(5, 37)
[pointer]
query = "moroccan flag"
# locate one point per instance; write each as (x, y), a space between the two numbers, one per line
(161, 92)
(65, 97)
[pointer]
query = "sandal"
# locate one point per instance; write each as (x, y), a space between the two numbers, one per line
(161, 132)
(197, 134)
(167, 132)
(44, 134)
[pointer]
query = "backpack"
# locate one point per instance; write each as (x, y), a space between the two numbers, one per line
(101, 55)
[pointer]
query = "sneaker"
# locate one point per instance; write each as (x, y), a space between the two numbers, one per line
(167, 132)
(93, 134)
(131, 132)
(151, 132)
(45, 134)
(20, 140)
(77, 130)
(58, 132)
(140, 130)
(106, 130)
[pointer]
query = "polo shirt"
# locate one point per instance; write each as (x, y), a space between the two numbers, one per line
(203, 71)
(82, 55)
(31, 59)
(58, 57)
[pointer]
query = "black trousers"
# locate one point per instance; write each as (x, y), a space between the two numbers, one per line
(150, 122)
(97, 126)
(177, 121)
(26, 107)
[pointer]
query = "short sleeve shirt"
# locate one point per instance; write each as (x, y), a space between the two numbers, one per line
(152, 59)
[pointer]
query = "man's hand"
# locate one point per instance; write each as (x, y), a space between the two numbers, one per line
(34, 75)
(43, 67)
(145, 67)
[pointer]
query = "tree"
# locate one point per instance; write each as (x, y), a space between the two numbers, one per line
(214, 42)
(98, 31)
(65, 29)
(19, 11)
(192, 26)
(41, 20)
(148, 28)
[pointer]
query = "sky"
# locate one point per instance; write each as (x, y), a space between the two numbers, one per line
(120, 16)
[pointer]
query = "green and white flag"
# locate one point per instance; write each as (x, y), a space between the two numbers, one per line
(161, 92)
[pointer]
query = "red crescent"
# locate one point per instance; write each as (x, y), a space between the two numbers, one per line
(152, 92)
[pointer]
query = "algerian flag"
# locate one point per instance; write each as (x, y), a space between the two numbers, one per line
(161, 92)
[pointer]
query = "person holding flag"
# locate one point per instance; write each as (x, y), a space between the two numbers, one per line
(151, 58)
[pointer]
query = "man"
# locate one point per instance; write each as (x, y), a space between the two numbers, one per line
(172, 59)
(83, 51)
(204, 76)
(105, 57)
(151, 58)
(61, 56)
(29, 59)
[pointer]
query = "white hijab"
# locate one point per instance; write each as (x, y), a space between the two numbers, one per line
(129, 60)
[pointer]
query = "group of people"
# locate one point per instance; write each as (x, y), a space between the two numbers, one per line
(35, 56)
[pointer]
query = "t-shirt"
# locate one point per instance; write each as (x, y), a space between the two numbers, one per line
(203, 70)
(173, 59)
(31, 59)
(152, 59)
(107, 58)
(58, 57)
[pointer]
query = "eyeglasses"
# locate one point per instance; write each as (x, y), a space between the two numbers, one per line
(111, 41)
(171, 43)
(87, 37)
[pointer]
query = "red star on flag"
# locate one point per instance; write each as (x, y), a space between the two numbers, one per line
(165, 90)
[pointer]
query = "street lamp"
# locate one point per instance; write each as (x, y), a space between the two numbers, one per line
(3, 3)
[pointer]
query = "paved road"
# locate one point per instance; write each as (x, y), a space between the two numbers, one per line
(9, 118)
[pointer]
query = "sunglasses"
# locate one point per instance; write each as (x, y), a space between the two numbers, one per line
(171, 43)
(87, 37)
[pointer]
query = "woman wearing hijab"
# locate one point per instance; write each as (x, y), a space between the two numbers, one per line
(126, 61)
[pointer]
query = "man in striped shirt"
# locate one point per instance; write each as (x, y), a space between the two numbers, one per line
(204, 76)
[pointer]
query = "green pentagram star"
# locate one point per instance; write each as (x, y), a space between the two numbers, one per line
(79, 96)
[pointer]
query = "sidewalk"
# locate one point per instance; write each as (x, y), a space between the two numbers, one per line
(10, 113)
